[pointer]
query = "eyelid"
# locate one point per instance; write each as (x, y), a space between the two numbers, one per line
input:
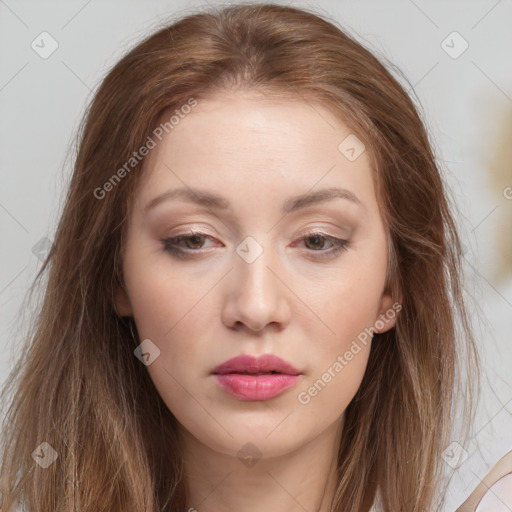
(188, 234)
(344, 230)
(190, 231)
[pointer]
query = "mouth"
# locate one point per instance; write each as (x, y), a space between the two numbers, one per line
(251, 365)
(256, 378)
(253, 373)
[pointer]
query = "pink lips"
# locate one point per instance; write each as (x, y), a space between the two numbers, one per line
(250, 378)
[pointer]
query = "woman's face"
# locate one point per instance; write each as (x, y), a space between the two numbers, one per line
(267, 263)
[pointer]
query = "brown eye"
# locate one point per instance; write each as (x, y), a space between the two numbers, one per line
(186, 245)
(195, 241)
(315, 242)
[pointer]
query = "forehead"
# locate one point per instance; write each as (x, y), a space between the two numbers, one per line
(243, 140)
(238, 124)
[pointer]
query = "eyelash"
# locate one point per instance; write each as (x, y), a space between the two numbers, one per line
(338, 246)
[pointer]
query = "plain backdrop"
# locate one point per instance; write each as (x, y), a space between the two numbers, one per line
(455, 58)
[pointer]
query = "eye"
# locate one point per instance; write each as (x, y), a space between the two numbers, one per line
(190, 244)
(193, 241)
(315, 241)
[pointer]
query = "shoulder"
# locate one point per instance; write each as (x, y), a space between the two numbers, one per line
(494, 493)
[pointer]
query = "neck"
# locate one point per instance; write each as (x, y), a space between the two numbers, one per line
(305, 478)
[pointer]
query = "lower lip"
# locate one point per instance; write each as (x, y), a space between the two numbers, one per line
(256, 387)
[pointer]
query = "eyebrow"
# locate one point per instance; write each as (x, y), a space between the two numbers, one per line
(210, 200)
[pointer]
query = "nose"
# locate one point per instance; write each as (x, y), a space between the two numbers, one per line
(256, 299)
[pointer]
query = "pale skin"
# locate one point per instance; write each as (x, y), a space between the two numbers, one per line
(200, 311)
(502, 468)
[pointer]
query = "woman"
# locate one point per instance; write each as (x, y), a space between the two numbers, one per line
(254, 296)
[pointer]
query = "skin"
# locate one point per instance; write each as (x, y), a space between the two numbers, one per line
(502, 468)
(256, 153)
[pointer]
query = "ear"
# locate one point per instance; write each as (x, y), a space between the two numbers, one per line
(123, 306)
(388, 311)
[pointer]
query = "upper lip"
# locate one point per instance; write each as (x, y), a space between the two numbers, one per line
(265, 363)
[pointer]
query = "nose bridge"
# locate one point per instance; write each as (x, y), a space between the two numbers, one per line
(254, 276)
(252, 259)
(257, 297)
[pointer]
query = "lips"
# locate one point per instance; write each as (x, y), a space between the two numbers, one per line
(250, 378)
(265, 364)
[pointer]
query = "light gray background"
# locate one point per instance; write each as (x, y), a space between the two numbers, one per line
(467, 103)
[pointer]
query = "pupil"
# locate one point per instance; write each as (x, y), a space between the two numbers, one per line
(317, 239)
(195, 239)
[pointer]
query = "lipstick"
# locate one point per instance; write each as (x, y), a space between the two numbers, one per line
(256, 378)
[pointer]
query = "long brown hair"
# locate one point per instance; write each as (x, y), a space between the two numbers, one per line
(80, 388)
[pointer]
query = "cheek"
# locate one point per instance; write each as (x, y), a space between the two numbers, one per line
(348, 308)
(349, 303)
(338, 359)
(160, 296)
(171, 313)
(327, 393)
(172, 310)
